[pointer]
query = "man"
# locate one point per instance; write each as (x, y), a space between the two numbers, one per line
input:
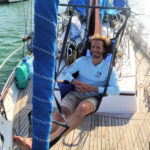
(89, 83)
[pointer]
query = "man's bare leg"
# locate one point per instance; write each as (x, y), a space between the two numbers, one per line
(57, 117)
(82, 110)
(26, 143)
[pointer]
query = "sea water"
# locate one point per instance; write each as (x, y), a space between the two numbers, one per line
(16, 20)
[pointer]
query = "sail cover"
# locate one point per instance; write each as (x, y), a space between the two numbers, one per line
(82, 10)
(44, 45)
(119, 3)
(103, 3)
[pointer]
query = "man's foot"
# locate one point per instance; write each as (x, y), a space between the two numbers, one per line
(23, 143)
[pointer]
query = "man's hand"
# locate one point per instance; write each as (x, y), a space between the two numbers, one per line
(83, 87)
(80, 86)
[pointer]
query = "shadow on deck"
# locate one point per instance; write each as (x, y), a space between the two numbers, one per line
(96, 132)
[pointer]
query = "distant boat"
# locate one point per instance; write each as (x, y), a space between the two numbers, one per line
(9, 1)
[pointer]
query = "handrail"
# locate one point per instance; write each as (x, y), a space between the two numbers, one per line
(11, 56)
(93, 6)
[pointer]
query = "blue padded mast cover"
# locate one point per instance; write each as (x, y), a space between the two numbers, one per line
(44, 45)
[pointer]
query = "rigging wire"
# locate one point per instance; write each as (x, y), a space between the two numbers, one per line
(31, 14)
(26, 19)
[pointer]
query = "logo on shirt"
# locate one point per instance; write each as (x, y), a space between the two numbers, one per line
(98, 74)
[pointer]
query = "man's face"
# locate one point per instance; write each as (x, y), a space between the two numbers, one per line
(97, 48)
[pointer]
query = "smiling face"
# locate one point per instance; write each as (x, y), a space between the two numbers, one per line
(97, 49)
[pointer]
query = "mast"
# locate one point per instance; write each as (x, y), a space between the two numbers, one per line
(44, 49)
(89, 13)
(97, 19)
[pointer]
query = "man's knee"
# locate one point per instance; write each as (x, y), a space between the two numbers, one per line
(85, 108)
(57, 115)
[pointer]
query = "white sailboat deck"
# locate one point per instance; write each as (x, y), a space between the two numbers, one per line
(101, 131)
